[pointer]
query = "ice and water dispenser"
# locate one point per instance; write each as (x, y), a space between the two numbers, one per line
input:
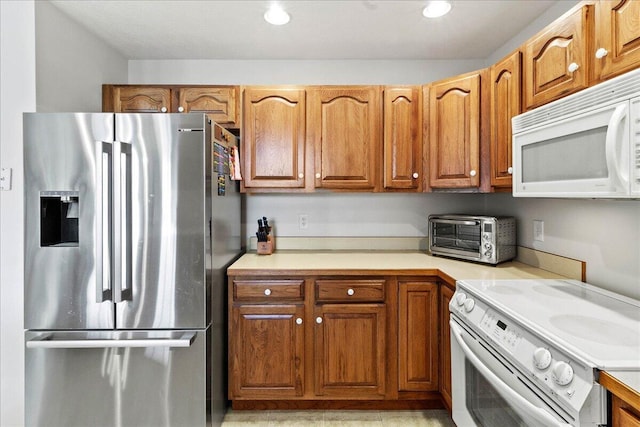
(59, 218)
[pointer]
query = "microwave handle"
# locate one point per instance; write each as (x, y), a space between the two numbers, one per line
(502, 388)
(614, 129)
(454, 221)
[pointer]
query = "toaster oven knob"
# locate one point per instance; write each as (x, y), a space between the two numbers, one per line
(541, 358)
(562, 373)
(469, 304)
(460, 298)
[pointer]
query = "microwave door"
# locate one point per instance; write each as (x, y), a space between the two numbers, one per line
(579, 156)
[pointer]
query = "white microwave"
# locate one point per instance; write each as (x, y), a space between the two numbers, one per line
(584, 145)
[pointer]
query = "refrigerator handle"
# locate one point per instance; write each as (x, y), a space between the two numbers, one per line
(122, 222)
(50, 340)
(103, 198)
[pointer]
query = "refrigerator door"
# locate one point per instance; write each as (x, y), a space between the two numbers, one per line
(160, 223)
(67, 159)
(100, 378)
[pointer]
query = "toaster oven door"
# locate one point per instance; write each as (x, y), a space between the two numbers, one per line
(455, 237)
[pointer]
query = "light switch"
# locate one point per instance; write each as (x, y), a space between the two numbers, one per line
(5, 179)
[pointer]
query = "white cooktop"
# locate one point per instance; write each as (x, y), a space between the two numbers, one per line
(596, 325)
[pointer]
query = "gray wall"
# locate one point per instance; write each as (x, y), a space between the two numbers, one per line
(72, 64)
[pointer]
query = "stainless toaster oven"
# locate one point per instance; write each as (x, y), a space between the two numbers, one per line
(486, 239)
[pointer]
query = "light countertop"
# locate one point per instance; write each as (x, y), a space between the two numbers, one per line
(360, 262)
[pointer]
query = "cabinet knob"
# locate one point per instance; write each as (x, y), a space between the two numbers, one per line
(573, 67)
(510, 170)
(299, 321)
(300, 175)
(180, 109)
(317, 175)
(318, 320)
(601, 53)
(267, 292)
(350, 291)
(473, 172)
(415, 175)
(163, 109)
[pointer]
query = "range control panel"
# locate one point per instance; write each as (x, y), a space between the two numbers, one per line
(552, 369)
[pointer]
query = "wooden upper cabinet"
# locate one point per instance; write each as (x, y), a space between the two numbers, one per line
(344, 125)
(557, 61)
(274, 138)
(402, 138)
(617, 37)
(455, 132)
(136, 99)
(220, 103)
(505, 103)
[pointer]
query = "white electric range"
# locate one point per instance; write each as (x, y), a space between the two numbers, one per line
(528, 352)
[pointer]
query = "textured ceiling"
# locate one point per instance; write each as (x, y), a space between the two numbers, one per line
(320, 29)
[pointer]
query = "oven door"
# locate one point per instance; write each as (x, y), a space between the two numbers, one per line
(487, 392)
(456, 237)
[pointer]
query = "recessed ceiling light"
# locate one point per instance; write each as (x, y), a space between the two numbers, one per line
(436, 9)
(276, 15)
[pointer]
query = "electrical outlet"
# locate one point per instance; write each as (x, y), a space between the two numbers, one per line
(303, 221)
(538, 230)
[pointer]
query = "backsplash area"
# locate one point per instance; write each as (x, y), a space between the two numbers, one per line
(603, 233)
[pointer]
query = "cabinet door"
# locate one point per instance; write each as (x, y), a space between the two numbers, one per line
(617, 47)
(220, 103)
(266, 352)
(623, 414)
(345, 128)
(445, 345)
(136, 99)
(274, 138)
(402, 138)
(349, 350)
(505, 103)
(418, 336)
(557, 61)
(455, 132)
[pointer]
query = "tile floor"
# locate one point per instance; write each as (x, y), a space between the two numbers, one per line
(336, 418)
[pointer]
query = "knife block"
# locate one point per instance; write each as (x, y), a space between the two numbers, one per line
(266, 248)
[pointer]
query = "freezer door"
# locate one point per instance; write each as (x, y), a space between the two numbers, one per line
(160, 222)
(67, 158)
(142, 378)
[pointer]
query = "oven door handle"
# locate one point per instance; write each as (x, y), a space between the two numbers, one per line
(455, 221)
(505, 391)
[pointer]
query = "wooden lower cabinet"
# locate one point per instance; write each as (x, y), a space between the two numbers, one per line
(417, 336)
(623, 414)
(267, 351)
(446, 294)
(333, 341)
(349, 350)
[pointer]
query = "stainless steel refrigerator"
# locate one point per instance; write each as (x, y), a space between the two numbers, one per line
(131, 221)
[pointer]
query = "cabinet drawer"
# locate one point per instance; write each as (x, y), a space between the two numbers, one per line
(244, 290)
(350, 290)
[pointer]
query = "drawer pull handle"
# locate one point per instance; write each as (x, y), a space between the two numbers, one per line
(415, 175)
(299, 321)
(163, 109)
(180, 109)
(318, 320)
(267, 292)
(350, 291)
(300, 175)
(573, 67)
(473, 172)
(318, 175)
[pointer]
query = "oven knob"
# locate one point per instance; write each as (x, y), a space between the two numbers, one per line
(541, 358)
(469, 304)
(562, 373)
(460, 298)
(487, 245)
